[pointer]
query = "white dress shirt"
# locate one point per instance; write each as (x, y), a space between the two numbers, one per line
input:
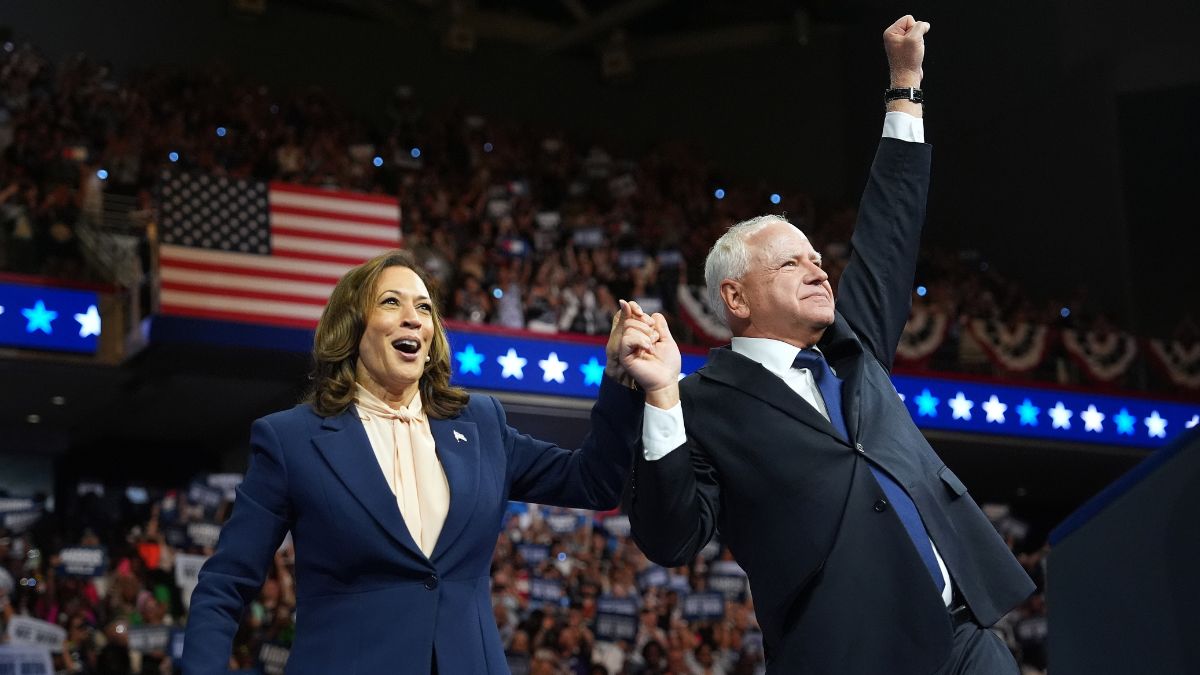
(663, 430)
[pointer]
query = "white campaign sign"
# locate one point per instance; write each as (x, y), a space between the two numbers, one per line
(24, 630)
(25, 660)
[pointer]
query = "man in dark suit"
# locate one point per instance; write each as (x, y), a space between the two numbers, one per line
(865, 553)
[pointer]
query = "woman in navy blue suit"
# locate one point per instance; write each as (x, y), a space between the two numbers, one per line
(393, 484)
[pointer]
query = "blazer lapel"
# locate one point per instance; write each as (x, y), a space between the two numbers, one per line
(347, 450)
(747, 375)
(457, 445)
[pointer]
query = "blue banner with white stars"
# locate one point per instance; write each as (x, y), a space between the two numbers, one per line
(502, 361)
(1050, 414)
(55, 319)
(533, 365)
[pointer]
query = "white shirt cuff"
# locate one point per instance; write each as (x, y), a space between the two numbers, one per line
(904, 127)
(662, 431)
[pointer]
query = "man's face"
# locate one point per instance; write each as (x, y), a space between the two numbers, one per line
(787, 295)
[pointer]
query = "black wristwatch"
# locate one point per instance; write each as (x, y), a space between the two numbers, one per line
(904, 94)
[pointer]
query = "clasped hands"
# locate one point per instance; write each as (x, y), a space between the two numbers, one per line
(641, 350)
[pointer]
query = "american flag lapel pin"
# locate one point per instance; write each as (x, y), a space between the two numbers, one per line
(459, 437)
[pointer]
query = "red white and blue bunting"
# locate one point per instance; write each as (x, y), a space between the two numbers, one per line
(1103, 357)
(923, 334)
(694, 308)
(1019, 348)
(1180, 362)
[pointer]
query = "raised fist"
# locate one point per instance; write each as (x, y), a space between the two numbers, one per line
(904, 42)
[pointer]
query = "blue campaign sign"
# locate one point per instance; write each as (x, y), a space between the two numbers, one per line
(54, 319)
(701, 606)
(1049, 414)
(545, 591)
(83, 561)
(653, 577)
(534, 554)
(611, 604)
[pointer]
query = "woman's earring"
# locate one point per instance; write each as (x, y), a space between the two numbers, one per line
(426, 358)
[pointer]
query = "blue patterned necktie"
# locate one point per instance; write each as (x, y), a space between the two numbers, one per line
(831, 390)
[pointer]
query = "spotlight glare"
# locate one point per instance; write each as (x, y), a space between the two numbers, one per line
(416, 152)
(1064, 312)
(378, 161)
(173, 156)
(719, 193)
(921, 291)
(487, 147)
(221, 132)
(775, 198)
(102, 174)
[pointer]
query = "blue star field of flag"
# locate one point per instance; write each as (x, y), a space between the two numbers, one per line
(218, 213)
(52, 319)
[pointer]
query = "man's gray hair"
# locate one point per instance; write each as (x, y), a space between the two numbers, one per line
(729, 258)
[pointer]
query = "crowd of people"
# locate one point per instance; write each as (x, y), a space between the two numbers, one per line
(571, 592)
(522, 228)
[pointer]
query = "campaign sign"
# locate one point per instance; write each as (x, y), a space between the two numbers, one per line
(226, 483)
(83, 561)
(653, 577)
(25, 660)
(273, 658)
(533, 554)
(177, 644)
(613, 627)
(25, 630)
(187, 568)
(545, 591)
(611, 604)
(19, 521)
(15, 504)
(616, 618)
(727, 577)
(150, 638)
(206, 496)
(617, 526)
(204, 534)
(703, 606)
(679, 583)
(563, 523)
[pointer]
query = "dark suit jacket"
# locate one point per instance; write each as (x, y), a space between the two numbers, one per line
(369, 602)
(837, 584)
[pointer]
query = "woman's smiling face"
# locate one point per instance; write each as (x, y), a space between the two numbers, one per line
(395, 344)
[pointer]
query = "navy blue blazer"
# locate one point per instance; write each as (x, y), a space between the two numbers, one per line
(368, 601)
(838, 586)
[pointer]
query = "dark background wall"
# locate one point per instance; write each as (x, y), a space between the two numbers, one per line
(1039, 112)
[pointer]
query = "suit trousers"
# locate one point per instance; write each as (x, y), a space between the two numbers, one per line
(978, 651)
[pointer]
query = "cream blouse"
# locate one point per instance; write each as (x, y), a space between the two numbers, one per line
(403, 445)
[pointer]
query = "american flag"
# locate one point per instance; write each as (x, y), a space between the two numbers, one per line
(263, 253)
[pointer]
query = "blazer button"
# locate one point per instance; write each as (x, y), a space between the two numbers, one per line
(859, 447)
(881, 506)
(431, 582)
